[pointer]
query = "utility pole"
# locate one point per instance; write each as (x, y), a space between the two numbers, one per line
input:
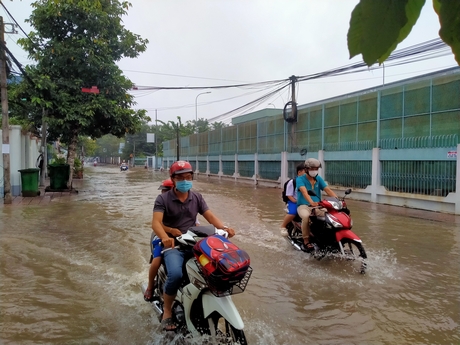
(177, 141)
(43, 150)
(156, 147)
(293, 79)
(5, 125)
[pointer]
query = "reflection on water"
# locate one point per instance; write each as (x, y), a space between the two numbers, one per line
(70, 273)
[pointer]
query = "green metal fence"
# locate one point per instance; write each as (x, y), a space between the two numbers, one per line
(269, 170)
(246, 168)
(422, 112)
(420, 142)
(214, 167)
(419, 177)
(228, 167)
(353, 174)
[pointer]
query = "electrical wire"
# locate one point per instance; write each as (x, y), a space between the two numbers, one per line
(181, 76)
(419, 52)
(9, 14)
(210, 102)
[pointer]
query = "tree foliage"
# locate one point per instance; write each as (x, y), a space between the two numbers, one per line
(107, 146)
(76, 44)
(377, 27)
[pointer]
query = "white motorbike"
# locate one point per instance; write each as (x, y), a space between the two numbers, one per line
(215, 270)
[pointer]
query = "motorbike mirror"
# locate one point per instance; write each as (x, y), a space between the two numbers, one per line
(348, 191)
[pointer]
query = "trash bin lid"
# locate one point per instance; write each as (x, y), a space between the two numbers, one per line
(30, 170)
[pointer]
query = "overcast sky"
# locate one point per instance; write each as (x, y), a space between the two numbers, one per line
(224, 42)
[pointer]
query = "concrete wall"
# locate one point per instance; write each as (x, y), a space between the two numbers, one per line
(373, 193)
(24, 151)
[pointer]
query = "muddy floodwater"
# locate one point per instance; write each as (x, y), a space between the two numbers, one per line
(71, 272)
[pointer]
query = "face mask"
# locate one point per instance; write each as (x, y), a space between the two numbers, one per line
(313, 173)
(184, 186)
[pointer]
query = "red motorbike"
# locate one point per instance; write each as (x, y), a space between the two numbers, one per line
(330, 232)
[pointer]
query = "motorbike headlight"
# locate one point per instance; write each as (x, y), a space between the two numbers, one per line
(334, 221)
(337, 204)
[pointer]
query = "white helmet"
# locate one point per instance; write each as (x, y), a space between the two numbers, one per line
(312, 163)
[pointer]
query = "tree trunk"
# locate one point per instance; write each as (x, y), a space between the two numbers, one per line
(71, 153)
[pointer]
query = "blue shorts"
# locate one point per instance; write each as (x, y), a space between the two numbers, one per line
(157, 248)
(292, 207)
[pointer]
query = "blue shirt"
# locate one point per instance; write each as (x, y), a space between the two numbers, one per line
(318, 187)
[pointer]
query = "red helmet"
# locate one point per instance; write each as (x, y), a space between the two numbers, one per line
(166, 185)
(180, 167)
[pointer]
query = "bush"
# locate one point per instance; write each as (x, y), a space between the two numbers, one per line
(58, 159)
(77, 165)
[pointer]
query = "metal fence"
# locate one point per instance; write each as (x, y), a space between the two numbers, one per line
(418, 113)
(419, 177)
(353, 174)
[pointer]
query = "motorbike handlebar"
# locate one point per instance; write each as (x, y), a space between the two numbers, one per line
(180, 241)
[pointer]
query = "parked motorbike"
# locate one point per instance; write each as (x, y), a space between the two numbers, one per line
(330, 232)
(217, 270)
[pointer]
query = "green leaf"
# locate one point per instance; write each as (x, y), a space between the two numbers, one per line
(449, 17)
(377, 26)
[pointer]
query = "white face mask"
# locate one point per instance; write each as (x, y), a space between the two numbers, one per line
(313, 173)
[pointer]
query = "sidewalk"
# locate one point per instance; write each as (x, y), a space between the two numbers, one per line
(45, 197)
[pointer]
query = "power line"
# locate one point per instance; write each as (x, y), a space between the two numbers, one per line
(427, 50)
(9, 14)
(142, 88)
(181, 76)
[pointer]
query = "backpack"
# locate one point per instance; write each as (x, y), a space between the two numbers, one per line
(283, 193)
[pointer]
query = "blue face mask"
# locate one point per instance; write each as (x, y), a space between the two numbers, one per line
(184, 186)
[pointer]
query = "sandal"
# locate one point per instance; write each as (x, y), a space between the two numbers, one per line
(168, 324)
(148, 295)
(307, 247)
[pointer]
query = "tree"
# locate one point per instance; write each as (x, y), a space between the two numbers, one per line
(218, 125)
(137, 144)
(76, 45)
(107, 146)
(202, 125)
(88, 145)
(377, 27)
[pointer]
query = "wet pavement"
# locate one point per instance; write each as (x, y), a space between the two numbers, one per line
(71, 272)
(45, 197)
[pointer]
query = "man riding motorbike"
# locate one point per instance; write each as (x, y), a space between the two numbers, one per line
(310, 181)
(178, 209)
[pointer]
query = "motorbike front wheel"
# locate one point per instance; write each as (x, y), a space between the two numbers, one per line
(223, 332)
(355, 251)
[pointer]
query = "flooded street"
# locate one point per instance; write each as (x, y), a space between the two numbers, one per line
(71, 272)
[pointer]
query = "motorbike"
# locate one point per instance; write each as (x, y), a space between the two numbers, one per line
(123, 167)
(330, 232)
(216, 270)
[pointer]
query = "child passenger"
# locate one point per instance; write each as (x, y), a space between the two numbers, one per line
(165, 186)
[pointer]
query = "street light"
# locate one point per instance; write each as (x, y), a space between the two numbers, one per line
(196, 108)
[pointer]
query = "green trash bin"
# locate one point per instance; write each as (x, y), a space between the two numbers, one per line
(29, 182)
(59, 175)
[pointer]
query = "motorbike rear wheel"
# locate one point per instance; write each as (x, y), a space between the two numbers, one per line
(355, 251)
(224, 332)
